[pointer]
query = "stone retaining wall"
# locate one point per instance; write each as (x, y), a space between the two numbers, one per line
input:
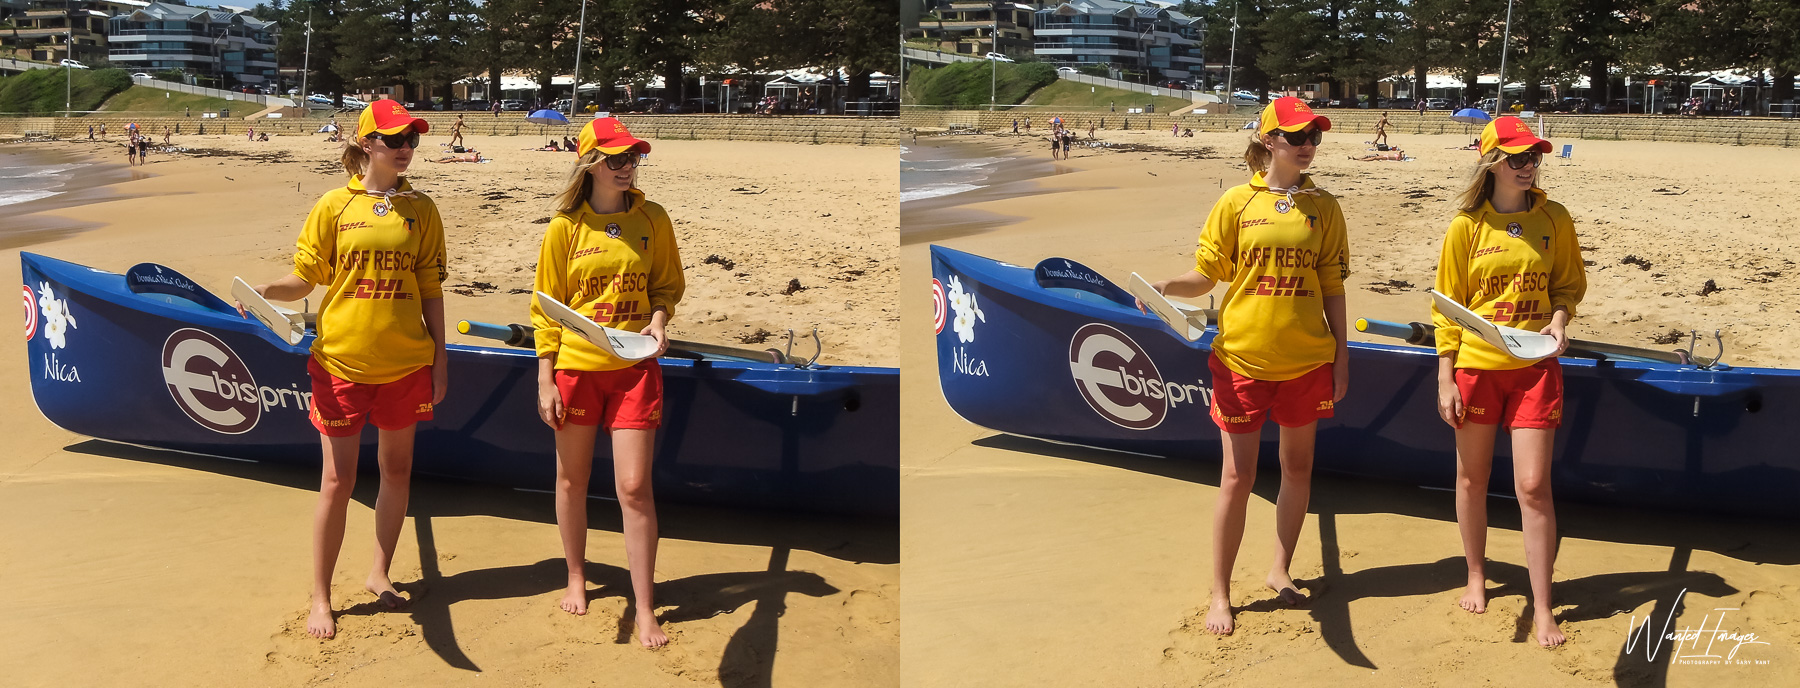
(814, 130)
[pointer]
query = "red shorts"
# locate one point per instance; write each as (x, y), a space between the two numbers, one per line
(340, 406)
(1239, 403)
(1530, 397)
(626, 398)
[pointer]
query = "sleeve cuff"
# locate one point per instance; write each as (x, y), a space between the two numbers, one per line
(549, 340)
(1555, 304)
(1449, 339)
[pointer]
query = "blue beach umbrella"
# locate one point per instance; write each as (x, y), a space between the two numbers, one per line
(547, 117)
(1470, 116)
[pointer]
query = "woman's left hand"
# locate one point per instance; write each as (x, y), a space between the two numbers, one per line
(1340, 376)
(440, 376)
(658, 320)
(1558, 329)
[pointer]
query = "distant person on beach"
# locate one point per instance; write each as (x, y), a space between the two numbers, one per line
(496, 108)
(1282, 353)
(1175, 130)
(103, 130)
(1015, 128)
(604, 229)
(90, 132)
(166, 134)
(456, 132)
(143, 146)
(1090, 130)
(1381, 130)
(1055, 145)
(1394, 154)
(1421, 106)
(131, 150)
(377, 246)
(1512, 257)
(1027, 126)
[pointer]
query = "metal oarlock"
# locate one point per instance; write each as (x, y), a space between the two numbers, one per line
(1688, 356)
(818, 350)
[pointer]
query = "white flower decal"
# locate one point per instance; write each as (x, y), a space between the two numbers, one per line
(57, 318)
(967, 311)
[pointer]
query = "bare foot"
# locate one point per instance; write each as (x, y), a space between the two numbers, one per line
(574, 600)
(319, 623)
(384, 589)
(649, 630)
(1549, 634)
(1474, 599)
(1218, 617)
(1283, 585)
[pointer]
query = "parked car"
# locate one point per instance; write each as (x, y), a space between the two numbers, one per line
(512, 105)
(1402, 104)
(693, 105)
(1067, 71)
(141, 75)
(998, 57)
(1437, 104)
(471, 105)
(1245, 95)
(74, 64)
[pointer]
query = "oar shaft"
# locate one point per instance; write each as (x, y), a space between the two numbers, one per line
(521, 336)
(1423, 334)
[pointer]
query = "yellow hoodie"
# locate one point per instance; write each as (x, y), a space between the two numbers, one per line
(1281, 259)
(1514, 269)
(613, 268)
(378, 260)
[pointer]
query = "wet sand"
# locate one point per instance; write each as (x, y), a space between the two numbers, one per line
(161, 567)
(1030, 563)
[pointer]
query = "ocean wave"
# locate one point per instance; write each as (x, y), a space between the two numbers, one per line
(13, 197)
(935, 191)
(27, 172)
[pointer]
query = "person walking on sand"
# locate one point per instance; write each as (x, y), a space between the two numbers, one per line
(90, 132)
(131, 150)
(1282, 352)
(609, 254)
(377, 246)
(1512, 257)
(1381, 131)
(456, 132)
(166, 134)
(1421, 106)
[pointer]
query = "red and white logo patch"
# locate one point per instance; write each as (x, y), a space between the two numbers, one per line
(938, 307)
(31, 315)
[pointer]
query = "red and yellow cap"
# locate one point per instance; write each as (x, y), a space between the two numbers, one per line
(388, 117)
(609, 135)
(1512, 135)
(1290, 114)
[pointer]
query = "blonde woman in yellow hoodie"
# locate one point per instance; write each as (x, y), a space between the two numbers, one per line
(610, 255)
(1280, 245)
(1510, 256)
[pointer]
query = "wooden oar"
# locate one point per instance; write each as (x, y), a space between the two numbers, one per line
(521, 336)
(1424, 334)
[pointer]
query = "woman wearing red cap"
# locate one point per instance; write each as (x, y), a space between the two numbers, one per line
(378, 248)
(1510, 256)
(609, 254)
(1280, 244)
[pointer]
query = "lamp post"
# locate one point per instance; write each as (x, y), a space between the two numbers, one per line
(68, 54)
(1231, 68)
(306, 64)
(993, 48)
(575, 91)
(1500, 99)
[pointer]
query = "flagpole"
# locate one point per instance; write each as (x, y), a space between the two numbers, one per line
(306, 64)
(580, 26)
(1505, 40)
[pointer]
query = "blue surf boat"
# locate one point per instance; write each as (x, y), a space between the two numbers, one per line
(149, 358)
(1060, 353)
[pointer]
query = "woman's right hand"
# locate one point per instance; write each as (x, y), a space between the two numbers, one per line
(550, 404)
(1450, 404)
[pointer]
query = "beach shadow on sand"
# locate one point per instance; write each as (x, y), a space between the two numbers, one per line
(1581, 599)
(749, 654)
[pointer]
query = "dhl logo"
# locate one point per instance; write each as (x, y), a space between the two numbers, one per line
(622, 312)
(1523, 311)
(1278, 286)
(1325, 405)
(379, 289)
(424, 408)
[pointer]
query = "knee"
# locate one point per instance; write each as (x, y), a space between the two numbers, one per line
(338, 485)
(634, 492)
(1534, 492)
(1296, 468)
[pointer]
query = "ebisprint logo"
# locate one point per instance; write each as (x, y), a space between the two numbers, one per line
(214, 387)
(1121, 383)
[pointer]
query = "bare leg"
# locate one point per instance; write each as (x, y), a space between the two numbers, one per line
(395, 453)
(574, 462)
(1290, 507)
(1237, 474)
(633, 450)
(1531, 482)
(337, 479)
(1474, 462)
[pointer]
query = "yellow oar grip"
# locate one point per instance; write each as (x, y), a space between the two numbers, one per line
(462, 326)
(1362, 325)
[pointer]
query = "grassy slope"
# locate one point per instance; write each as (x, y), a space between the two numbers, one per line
(1070, 94)
(967, 84)
(42, 91)
(146, 99)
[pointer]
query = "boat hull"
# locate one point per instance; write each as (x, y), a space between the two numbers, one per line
(1046, 361)
(169, 373)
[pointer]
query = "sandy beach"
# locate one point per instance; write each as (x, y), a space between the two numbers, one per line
(1031, 564)
(167, 569)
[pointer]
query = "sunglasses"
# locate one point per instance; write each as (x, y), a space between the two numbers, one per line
(1519, 161)
(619, 161)
(1309, 135)
(398, 141)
